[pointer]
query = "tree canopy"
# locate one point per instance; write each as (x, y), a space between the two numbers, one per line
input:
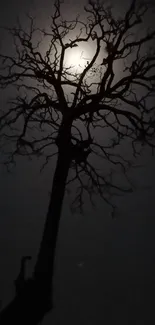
(106, 97)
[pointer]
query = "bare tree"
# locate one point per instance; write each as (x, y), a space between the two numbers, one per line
(56, 108)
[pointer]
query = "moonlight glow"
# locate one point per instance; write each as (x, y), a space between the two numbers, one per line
(76, 58)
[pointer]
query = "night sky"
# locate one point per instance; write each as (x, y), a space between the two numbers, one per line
(105, 269)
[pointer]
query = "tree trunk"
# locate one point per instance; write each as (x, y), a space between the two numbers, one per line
(44, 268)
(35, 300)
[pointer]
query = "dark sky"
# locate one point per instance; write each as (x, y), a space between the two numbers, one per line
(105, 269)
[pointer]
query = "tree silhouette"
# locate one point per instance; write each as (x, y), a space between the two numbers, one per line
(57, 108)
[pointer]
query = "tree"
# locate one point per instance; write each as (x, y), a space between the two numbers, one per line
(61, 105)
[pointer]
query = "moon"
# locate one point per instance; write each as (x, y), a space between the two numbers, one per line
(76, 59)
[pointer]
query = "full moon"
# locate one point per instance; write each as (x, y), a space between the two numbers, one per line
(76, 59)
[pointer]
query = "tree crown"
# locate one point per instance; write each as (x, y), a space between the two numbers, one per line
(96, 75)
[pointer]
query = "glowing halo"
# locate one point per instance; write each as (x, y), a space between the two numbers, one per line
(75, 58)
